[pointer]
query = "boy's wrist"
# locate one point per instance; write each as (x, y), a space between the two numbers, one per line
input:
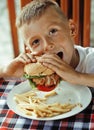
(2, 72)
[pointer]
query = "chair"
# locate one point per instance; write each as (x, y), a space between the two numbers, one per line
(78, 10)
(12, 18)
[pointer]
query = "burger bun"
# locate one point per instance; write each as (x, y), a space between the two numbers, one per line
(36, 69)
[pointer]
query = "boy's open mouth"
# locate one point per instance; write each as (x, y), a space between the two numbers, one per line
(60, 54)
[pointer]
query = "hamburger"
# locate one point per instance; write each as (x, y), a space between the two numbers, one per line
(40, 76)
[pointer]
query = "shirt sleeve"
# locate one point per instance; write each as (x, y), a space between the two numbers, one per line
(89, 63)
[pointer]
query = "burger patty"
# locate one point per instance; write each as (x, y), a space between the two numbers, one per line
(49, 80)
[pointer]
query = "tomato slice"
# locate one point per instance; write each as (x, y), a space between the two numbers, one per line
(45, 88)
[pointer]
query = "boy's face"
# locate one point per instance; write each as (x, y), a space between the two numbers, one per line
(48, 34)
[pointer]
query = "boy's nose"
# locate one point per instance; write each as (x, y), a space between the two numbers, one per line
(49, 47)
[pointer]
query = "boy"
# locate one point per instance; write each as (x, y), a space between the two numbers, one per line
(48, 34)
(15, 67)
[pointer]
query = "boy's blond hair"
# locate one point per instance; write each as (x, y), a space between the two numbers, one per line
(35, 9)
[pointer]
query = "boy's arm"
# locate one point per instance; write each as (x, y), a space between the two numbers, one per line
(1, 71)
(85, 79)
(13, 69)
(16, 67)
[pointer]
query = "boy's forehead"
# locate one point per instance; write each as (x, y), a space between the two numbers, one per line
(44, 23)
(50, 16)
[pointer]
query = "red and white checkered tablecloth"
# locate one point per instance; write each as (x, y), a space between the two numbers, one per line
(11, 121)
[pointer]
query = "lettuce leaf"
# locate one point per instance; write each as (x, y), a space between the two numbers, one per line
(32, 84)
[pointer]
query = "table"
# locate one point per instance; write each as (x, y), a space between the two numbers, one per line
(11, 121)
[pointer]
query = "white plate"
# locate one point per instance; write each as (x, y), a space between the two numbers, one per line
(66, 92)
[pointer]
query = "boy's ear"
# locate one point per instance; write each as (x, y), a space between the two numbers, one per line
(73, 28)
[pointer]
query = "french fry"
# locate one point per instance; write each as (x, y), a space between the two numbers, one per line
(52, 93)
(30, 104)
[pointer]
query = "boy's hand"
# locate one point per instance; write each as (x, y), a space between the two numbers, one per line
(16, 67)
(65, 71)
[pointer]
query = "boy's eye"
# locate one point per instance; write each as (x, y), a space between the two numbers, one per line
(36, 41)
(53, 31)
